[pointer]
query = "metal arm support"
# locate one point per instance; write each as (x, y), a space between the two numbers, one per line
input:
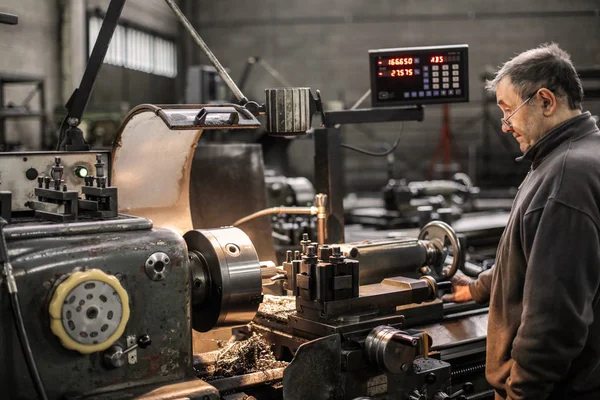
(81, 96)
(9, 19)
(215, 62)
(374, 115)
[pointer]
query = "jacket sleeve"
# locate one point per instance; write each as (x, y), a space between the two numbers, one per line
(481, 288)
(562, 248)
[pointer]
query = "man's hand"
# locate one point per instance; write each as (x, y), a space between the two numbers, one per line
(460, 289)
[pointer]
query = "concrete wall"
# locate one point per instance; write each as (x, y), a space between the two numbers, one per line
(152, 14)
(129, 88)
(34, 46)
(30, 47)
(324, 44)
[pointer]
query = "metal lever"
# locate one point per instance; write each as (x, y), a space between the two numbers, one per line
(467, 388)
(279, 277)
(143, 342)
(214, 61)
(405, 339)
(115, 356)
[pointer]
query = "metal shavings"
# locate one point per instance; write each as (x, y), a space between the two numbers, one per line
(277, 307)
(244, 357)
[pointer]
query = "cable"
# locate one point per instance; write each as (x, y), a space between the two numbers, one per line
(274, 73)
(11, 284)
(26, 347)
(362, 98)
(373, 154)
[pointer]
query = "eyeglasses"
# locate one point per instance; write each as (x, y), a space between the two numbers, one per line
(505, 120)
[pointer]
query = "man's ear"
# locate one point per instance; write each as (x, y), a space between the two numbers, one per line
(549, 101)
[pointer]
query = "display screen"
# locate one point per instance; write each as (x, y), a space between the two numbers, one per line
(419, 75)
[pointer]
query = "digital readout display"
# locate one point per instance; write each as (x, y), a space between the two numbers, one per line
(405, 72)
(419, 75)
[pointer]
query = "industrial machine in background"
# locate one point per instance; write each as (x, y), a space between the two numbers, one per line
(110, 265)
(401, 208)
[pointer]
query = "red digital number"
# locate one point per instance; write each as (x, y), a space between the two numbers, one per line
(437, 59)
(401, 61)
(401, 72)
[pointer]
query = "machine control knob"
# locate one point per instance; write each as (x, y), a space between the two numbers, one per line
(143, 342)
(431, 378)
(31, 174)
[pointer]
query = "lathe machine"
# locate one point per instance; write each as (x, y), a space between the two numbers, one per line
(108, 265)
(108, 300)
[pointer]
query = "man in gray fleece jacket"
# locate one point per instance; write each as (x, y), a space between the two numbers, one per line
(544, 321)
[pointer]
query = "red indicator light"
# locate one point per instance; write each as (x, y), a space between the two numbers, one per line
(379, 62)
(381, 74)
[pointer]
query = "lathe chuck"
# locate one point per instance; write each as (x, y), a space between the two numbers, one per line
(227, 283)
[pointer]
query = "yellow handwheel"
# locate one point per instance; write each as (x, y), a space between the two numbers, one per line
(89, 311)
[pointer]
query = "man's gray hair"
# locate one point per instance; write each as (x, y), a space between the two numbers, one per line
(547, 66)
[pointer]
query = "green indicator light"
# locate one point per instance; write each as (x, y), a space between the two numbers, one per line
(81, 172)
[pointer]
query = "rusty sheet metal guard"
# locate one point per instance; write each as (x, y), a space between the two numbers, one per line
(153, 153)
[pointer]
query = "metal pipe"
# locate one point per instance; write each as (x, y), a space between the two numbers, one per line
(386, 258)
(213, 59)
(321, 203)
(319, 209)
(19, 232)
(277, 210)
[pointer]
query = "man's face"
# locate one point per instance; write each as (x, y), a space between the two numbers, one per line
(527, 125)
